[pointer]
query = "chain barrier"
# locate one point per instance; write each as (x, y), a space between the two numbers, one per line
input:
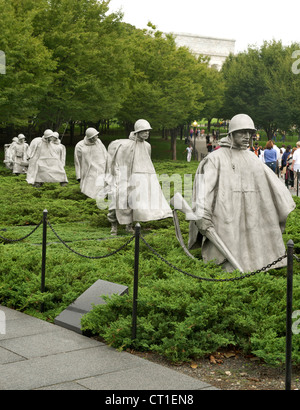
(247, 275)
(24, 237)
(86, 256)
(296, 257)
(154, 252)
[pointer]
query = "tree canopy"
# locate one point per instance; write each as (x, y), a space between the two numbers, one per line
(260, 82)
(74, 60)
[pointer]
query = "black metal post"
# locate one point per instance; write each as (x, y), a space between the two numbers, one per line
(44, 247)
(136, 279)
(289, 303)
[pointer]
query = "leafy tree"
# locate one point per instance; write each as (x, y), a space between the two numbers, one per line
(29, 67)
(256, 84)
(166, 86)
(89, 82)
(293, 83)
(214, 93)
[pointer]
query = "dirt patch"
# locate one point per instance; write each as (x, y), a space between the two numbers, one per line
(231, 370)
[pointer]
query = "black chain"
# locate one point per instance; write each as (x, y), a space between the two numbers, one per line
(24, 237)
(155, 253)
(247, 275)
(90, 257)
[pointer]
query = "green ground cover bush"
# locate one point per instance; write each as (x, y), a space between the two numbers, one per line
(179, 316)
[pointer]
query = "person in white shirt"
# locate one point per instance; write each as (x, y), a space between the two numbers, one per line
(296, 158)
(189, 150)
(278, 158)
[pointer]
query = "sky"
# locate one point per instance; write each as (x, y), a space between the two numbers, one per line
(247, 22)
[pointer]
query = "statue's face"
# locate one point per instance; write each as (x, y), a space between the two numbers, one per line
(93, 139)
(241, 138)
(143, 135)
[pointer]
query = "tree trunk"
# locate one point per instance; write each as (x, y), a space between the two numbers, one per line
(173, 143)
(208, 124)
(72, 127)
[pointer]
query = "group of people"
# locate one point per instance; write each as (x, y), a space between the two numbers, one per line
(284, 161)
(200, 144)
(232, 190)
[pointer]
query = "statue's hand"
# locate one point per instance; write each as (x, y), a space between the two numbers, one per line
(203, 225)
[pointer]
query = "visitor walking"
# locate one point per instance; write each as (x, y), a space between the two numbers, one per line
(270, 156)
(286, 163)
(296, 161)
(189, 150)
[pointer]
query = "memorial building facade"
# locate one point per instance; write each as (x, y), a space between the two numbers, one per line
(217, 49)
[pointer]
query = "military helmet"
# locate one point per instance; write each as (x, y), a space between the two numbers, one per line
(91, 132)
(48, 133)
(241, 122)
(21, 137)
(142, 125)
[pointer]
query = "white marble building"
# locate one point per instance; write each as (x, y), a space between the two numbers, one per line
(217, 49)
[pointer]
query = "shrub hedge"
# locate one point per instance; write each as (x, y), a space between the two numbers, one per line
(179, 316)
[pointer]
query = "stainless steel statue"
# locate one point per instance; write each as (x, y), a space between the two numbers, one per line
(19, 155)
(240, 206)
(59, 148)
(199, 145)
(90, 157)
(45, 161)
(8, 153)
(134, 187)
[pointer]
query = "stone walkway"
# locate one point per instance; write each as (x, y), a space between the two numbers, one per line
(37, 355)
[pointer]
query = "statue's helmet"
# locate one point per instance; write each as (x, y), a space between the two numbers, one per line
(241, 122)
(21, 137)
(91, 132)
(55, 134)
(142, 125)
(48, 133)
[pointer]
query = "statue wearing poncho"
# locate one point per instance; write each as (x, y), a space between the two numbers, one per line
(19, 153)
(134, 187)
(243, 200)
(44, 162)
(90, 158)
